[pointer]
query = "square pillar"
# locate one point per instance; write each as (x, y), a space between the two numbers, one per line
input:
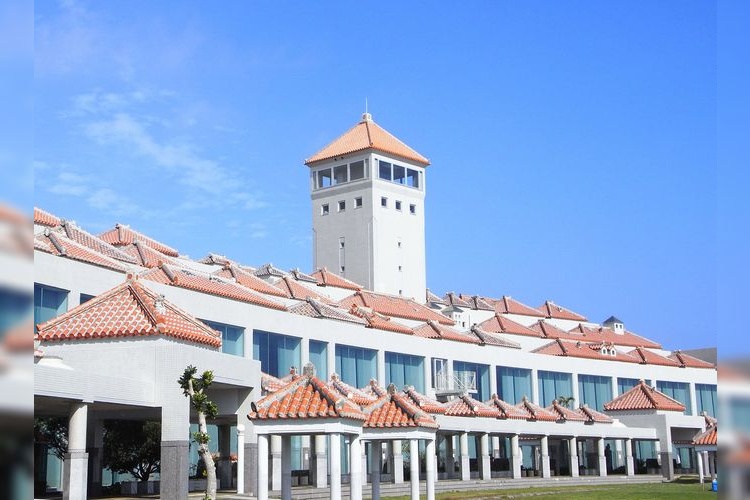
(304, 352)
(331, 355)
(363, 447)
(376, 467)
(602, 457)
(573, 446)
(545, 457)
(240, 459)
(464, 450)
(334, 452)
(276, 463)
(175, 446)
(516, 457)
(95, 445)
(224, 466)
(667, 466)
(699, 460)
(414, 468)
(355, 468)
(397, 461)
(431, 469)
(629, 462)
(251, 463)
(484, 455)
(319, 465)
(450, 460)
(380, 366)
(286, 467)
(262, 487)
(76, 465)
(535, 388)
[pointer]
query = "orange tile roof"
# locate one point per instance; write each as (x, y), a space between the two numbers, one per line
(315, 309)
(604, 334)
(454, 299)
(478, 303)
(363, 136)
(508, 305)
(57, 244)
(594, 416)
(269, 383)
(123, 235)
(392, 305)
(374, 390)
(643, 397)
(550, 331)
(128, 310)
(396, 410)
(247, 279)
(305, 397)
(565, 413)
(431, 298)
(647, 357)
(425, 403)
(78, 235)
(536, 412)
(44, 218)
(495, 339)
(552, 310)
(507, 410)
(327, 278)
(500, 324)
(688, 361)
(709, 437)
(583, 350)
(145, 255)
(434, 330)
(184, 278)
(349, 391)
(376, 320)
(298, 291)
(466, 406)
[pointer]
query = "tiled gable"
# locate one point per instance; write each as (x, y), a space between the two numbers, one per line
(122, 235)
(56, 243)
(267, 271)
(536, 412)
(578, 349)
(391, 305)
(688, 361)
(381, 322)
(508, 305)
(593, 416)
(250, 281)
(316, 309)
(501, 324)
(298, 275)
(128, 310)
(646, 357)
(325, 277)
(604, 334)
(350, 392)
(298, 291)
(145, 255)
(565, 413)
(374, 390)
(552, 310)
(466, 406)
(434, 330)
(44, 218)
(477, 303)
(425, 403)
(396, 410)
(507, 410)
(431, 298)
(78, 235)
(454, 299)
(643, 397)
(367, 135)
(495, 339)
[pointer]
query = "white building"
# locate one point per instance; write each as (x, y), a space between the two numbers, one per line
(485, 371)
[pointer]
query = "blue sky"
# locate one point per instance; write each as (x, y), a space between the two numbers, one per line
(573, 146)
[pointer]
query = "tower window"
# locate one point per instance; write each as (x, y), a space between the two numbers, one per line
(413, 209)
(342, 268)
(398, 243)
(399, 174)
(358, 202)
(412, 178)
(324, 209)
(384, 170)
(356, 170)
(384, 202)
(399, 268)
(398, 205)
(341, 242)
(342, 206)
(400, 292)
(324, 178)
(340, 174)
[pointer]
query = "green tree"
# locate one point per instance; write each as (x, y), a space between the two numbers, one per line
(194, 388)
(132, 447)
(52, 431)
(566, 401)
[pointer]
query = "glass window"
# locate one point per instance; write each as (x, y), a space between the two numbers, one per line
(398, 205)
(594, 391)
(412, 178)
(49, 302)
(358, 202)
(625, 384)
(440, 374)
(399, 174)
(324, 178)
(385, 170)
(232, 337)
(324, 209)
(85, 297)
(676, 390)
(473, 377)
(342, 206)
(14, 306)
(383, 202)
(319, 358)
(357, 170)
(513, 384)
(355, 365)
(705, 396)
(340, 174)
(277, 353)
(404, 369)
(412, 209)
(552, 385)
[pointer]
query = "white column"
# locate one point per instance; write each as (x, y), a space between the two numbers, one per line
(602, 457)
(376, 466)
(693, 400)
(240, 459)
(331, 355)
(464, 450)
(355, 468)
(431, 469)
(381, 367)
(484, 456)
(493, 380)
(657, 450)
(334, 451)
(76, 459)
(705, 463)
(515, 457)
(617, 457)
(450, 460)
(712, 466)
(495, 446)
(286, 467)
(629, 463)
(573, 457)
(319, 461)
(262, 467)
(414, 468)
(699, 459)
(545, 457)
(535, 389)
(576, 395)
(397, 459)
(275, 462)
(304, 354)
(427, 373)
(363, 446)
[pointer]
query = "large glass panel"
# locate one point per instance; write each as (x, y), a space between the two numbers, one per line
(705, 395)
(14, 306)
(552, 385)
(403, 369)
(232, 337)
(340, 174)
(277, 353)
(677, 390)
(49, 302)
(472, 377)
(513, 384)
(384, 170)
(324, 178)
(399, 174)
(625, 384)
(357, 170)
(355, 365)
(319, 358)
(594, 391)
(412, 178)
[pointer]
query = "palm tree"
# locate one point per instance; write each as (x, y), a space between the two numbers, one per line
(566, 401)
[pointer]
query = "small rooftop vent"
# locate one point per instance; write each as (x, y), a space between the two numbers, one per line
(615, 324)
